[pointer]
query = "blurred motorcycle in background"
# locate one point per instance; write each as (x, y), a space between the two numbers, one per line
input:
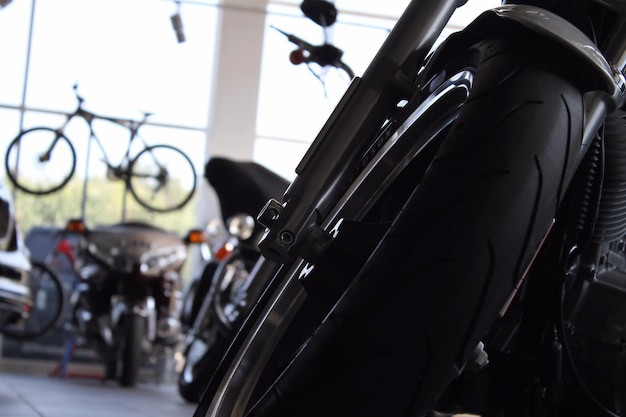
(224, 291)
(127, 300)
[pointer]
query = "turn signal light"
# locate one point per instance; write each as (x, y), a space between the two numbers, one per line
(196, 236)
(76, 226)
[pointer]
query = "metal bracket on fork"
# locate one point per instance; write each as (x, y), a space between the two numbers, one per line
(269, 218)
(270, 213)
(315, 242)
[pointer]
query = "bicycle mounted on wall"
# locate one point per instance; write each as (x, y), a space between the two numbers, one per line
(42, 160)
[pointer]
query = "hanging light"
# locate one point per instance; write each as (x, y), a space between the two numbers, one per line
(177, 24)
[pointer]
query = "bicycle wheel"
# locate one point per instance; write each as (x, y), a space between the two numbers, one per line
(40, 161)
(402, 325)
(162, 178)
(48, 304)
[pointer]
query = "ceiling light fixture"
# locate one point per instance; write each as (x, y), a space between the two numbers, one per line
(177, 24)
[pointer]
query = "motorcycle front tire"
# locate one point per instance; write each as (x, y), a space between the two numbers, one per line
(196, 372)
(134, 332)
(204, 353)
(411, 318)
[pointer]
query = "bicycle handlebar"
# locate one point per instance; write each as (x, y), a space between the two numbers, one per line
(78, 97)
(128, 123)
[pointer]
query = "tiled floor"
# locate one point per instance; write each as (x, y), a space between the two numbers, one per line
(33, 394)
(40, 395)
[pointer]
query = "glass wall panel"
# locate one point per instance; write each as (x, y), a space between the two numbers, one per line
(296, 100)
(125, 57)
(14, 32)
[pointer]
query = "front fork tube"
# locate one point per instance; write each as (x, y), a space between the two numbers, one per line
(145, 308)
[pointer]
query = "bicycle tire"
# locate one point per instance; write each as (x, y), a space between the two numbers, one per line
(403, 328)
(151, 182)
(48, 304)
(33, 173)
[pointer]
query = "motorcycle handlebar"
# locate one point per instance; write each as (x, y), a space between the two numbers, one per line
(323, 55)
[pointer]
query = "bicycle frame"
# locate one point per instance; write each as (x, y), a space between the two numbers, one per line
(132, 126)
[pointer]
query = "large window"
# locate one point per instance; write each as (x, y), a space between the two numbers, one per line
(125, 58)
(124, 55)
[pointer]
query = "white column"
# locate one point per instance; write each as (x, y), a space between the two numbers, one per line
(233, 112)
(234, 91)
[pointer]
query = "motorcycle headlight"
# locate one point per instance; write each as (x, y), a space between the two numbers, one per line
(156, 262)
(114, 258)
(241, 226)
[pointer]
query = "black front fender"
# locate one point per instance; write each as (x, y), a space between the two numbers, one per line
(580, 51)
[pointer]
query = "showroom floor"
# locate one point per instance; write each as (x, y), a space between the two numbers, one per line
(25, 391)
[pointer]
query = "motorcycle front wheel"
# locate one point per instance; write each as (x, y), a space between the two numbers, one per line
(223, 309)
(134, 333)
(405, 324)
(201, 358)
